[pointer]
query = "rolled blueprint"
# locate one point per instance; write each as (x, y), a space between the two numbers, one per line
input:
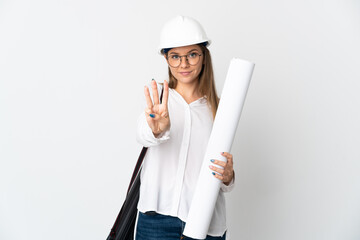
(221, 138)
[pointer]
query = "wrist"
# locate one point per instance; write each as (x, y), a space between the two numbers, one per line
(231, 179)
(158, 134)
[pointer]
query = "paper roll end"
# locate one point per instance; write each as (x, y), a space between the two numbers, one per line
(193, 234)
(235, 59)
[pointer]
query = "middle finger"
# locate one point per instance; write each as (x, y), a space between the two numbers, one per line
(218, 162)
(155, 92)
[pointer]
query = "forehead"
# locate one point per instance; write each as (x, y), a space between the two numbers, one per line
(185, 49)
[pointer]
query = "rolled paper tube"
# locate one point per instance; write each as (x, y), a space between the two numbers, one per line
(221, 138)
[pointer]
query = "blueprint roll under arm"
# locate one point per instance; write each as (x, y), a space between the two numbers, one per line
(221, 138)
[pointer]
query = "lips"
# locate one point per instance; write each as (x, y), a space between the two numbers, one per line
(185, 73)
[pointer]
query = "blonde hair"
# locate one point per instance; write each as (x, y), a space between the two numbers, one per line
(206, 85)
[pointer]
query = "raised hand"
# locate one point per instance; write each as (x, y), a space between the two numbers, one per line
(157, 115)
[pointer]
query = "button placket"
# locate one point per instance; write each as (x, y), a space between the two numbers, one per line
(182, 159)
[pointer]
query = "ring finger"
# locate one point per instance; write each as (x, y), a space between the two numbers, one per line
(216, 169)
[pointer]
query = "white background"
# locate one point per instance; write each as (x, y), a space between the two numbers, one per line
(71, 82)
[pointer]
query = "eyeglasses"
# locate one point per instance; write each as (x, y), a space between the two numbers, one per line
(192, 59)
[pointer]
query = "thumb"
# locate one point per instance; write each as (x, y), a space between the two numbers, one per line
(164, 114)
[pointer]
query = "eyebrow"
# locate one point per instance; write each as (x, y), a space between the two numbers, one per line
(187, 52)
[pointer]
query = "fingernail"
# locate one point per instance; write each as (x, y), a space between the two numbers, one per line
(152, 115)
(213, 173)
(152, 79)
(212, 160)
(222, 152)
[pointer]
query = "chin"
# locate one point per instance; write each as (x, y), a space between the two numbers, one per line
(183, 79)
(186, 80)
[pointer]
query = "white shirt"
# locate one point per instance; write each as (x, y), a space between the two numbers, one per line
(173, 161)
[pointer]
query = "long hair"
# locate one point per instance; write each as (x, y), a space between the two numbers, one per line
(206, 85)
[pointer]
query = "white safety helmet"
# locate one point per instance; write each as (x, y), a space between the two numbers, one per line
(182, 31)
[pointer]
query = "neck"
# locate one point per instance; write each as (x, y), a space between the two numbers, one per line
(188, 91)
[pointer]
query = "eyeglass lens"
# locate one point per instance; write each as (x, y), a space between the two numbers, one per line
(192, 59)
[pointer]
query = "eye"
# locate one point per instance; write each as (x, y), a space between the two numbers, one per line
(174, 57)
(193, 55)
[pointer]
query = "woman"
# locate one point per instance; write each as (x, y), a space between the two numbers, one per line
(176, 128)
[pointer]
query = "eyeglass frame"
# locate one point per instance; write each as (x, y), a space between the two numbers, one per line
(186, 59)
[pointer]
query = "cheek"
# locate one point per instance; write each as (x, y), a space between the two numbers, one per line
(200, 65)
(198, 69)
(172, 71)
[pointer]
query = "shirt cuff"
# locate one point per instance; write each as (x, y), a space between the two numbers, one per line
(163, 137)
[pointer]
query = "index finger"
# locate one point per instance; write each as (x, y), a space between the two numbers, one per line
(165, 93)
(155, 92)
(228, 156)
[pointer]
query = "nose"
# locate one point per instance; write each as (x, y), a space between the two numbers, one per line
(184, 62)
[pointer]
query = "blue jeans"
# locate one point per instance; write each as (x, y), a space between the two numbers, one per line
(154, 226)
